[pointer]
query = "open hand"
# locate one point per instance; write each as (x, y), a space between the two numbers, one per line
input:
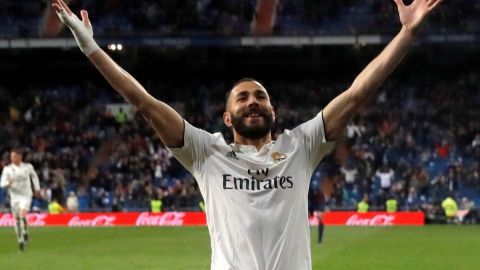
(70, 19)
(412, 16)
(82, 30)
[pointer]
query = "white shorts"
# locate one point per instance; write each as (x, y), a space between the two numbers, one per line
(20, 203)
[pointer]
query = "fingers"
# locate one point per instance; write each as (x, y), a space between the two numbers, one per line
(433, 4)
(60, 7)
(85, 19)
(57, 7)
(399, 3)
(64, 6)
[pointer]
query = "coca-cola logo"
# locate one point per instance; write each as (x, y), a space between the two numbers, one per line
(165, 219)
(377, 220)
(37, 219)
(7, 220)
(34, 219)
(101, 220)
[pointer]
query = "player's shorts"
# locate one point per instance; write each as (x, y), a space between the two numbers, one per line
(21, 202)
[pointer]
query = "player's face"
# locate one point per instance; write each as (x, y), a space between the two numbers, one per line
(249, 111)
(15, 157)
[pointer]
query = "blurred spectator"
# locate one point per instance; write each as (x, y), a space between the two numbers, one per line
(363, 205)
(55, 208)
(155, 204)
(72, 202)
(467, 212)
(385, 177)
(450, 207)
(476, 141)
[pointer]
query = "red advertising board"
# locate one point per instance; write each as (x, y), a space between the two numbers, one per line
(110, 219)
(199, 219)
(372, 219)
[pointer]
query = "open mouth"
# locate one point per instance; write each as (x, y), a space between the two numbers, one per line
(254, 115)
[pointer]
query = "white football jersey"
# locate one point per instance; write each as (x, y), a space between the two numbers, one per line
(256, 201)
(21, 177)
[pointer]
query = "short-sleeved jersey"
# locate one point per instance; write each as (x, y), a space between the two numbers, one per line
(22, 177)
(256, 201)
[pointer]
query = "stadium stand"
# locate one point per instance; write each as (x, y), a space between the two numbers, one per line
(427, 131)
(226, 18)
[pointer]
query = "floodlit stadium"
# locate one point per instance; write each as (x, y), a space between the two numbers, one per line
(253, 134)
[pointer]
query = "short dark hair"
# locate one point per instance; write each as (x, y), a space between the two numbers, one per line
(246, 79)
(17, 150)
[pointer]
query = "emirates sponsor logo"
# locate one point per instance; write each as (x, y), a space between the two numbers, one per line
(377, 220)
(165, 219)
(34, 219)
(101, 220)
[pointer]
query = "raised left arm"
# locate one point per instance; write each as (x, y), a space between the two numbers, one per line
(341, 109)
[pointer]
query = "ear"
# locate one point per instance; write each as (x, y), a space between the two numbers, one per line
(227, 120)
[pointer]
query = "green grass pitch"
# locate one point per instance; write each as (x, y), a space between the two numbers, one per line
(186, 248)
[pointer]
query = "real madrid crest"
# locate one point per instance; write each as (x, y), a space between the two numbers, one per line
(278, 156)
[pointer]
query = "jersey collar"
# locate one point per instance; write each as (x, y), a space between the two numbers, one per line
(250, 149)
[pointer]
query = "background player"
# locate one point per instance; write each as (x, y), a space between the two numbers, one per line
(18, 177)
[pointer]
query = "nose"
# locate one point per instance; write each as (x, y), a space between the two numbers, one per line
(252, 101)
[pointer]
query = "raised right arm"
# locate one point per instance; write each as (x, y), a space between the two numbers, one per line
(167, 123)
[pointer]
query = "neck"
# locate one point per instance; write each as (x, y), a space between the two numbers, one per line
(258, 143)
(17, 163)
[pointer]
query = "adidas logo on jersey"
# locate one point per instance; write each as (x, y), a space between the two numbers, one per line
(232, 155)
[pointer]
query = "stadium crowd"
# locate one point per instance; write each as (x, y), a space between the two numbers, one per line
(224, 17)
(412, 144)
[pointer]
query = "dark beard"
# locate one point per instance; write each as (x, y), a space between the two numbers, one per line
(253, 132)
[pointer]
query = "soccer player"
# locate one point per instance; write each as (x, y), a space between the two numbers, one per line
(316, 200)
(18, 177)
(255, 189)
(319, 214)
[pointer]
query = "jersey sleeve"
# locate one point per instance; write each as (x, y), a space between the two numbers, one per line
(193, 152)
(312, 135)
(34, 178)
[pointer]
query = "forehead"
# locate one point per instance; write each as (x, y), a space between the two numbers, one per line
(249, 86)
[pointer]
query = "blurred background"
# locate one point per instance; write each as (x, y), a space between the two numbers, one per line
(418, 142)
